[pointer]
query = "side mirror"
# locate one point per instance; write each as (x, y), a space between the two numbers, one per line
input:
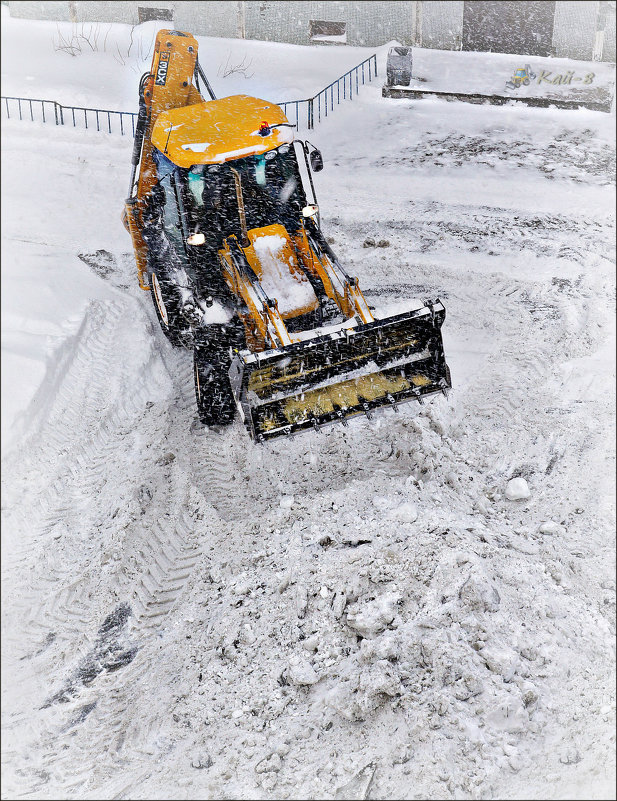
(310, 211)
(316, 161)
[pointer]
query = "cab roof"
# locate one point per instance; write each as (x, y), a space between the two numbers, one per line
(219, 130)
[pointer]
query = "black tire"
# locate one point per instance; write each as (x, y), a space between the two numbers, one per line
(215, 401)
(166, 308)
(526, 81)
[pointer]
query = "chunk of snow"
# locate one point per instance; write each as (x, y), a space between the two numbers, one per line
(550, 527)
(280, 277)
(479, 594)
(517, 490)
(400, 307)
(301, 673)
(217, 313)
(406, 513)
(197, 147)
(384, 502)
(371, 619)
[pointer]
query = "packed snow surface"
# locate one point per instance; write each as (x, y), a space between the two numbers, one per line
(359, 613)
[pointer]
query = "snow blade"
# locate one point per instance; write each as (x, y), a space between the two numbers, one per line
(333, 376)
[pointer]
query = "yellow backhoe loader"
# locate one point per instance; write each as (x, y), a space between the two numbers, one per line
(232, 251)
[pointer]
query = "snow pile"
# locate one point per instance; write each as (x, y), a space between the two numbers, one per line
(291, 288)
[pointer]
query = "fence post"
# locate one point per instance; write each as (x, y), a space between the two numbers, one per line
(310, 113)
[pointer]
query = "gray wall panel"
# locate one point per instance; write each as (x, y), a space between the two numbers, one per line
(56, 11)
(442, 25)
(574, 29)
(609, 39)
(207, 18)
(434, 23)
(368, 24)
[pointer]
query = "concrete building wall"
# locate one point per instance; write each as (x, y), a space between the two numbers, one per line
(574, 29)
(442, 25)
(367, 24)
(55, 11)
(207, 18)
(606, 23)
(608, 54)
(435, 24)
(203, 18)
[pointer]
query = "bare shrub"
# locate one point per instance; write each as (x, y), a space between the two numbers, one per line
(229, 68)
(85, 36)
(81, 36)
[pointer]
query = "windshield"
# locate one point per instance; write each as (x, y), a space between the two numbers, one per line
(271, 190)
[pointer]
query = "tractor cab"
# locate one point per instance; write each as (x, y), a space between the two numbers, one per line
(228, 176)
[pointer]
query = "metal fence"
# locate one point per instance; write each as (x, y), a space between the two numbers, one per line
(303, 112)
(122, 122)
(314, 108)
(343, 87)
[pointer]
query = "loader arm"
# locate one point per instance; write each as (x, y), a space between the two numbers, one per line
(263, 310)
(169, 84)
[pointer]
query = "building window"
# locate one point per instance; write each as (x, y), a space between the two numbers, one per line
(321, 31)
(149, 14)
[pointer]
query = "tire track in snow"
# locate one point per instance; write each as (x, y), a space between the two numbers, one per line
(214, 458)
(167, 556)
(170, 556)
(61, 420)
(79, 446)
(79, 393)
(85, 437)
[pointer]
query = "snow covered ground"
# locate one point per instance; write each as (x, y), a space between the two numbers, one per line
(361, 613)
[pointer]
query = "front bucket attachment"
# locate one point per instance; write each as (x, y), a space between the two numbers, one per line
(333, 376)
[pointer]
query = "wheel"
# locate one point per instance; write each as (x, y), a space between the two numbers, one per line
(215, 400)
(526, 81)
(166, 308)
